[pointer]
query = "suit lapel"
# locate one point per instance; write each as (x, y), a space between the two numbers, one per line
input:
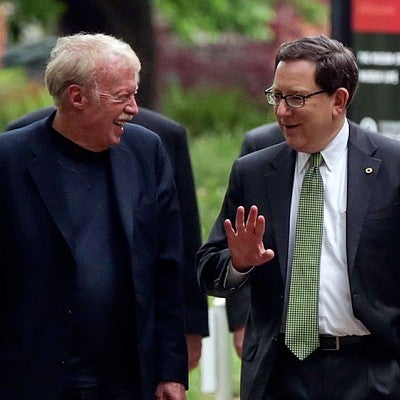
(279, 183)
(362, 172)
(123, 176)
(45, 173)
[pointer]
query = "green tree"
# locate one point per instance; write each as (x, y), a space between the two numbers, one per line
(208, 19)
(44, 13)
(132, 20)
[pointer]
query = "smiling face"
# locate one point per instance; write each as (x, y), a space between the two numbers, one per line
(308, 129)
(110, 105)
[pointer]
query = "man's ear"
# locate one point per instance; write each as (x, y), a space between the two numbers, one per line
(340, 101)
(76, 95)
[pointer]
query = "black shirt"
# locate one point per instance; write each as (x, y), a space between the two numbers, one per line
(103, 346)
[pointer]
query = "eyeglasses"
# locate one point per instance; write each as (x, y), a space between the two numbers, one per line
(292, 100)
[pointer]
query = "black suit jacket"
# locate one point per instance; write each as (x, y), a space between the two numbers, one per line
(261, 137)
(238, 301)
(174, 138)
(38, 249)
(265, 178)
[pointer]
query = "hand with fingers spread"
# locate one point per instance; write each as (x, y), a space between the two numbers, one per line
(245, 241)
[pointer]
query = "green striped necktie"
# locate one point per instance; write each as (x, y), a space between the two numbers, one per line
(302, 333)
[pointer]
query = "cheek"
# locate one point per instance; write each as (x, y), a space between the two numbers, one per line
(317, 117)
(98, 111)
(108, 114)
(318, 126)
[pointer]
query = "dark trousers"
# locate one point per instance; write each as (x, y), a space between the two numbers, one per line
(103, 392)
(362, 371)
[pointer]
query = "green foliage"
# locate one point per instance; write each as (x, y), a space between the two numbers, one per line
(212, 111)
(207, 19)
(313, 11)
(44, 13)
(212, 158)
(20, 96)
(216, 120)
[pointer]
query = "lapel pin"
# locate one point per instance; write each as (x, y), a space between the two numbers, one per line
(368, 170)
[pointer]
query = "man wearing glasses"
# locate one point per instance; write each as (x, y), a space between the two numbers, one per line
(313, 225)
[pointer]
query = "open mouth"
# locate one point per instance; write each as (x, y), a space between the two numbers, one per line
(289, 127)
(120, 123)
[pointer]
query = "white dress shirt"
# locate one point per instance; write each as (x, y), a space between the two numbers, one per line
(335, 310)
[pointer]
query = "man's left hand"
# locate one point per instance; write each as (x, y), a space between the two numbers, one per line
(170, 391)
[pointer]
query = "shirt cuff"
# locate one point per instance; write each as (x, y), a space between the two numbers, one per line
(234, 278)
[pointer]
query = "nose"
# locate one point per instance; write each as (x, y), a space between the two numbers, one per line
(282, 109)
(132, 107)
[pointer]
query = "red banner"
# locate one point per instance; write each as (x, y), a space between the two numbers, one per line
(376, 16)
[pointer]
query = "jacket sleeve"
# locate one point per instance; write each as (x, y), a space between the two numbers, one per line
(213, 257)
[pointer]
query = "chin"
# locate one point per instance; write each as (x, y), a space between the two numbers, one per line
(116, 140)
(295, 145)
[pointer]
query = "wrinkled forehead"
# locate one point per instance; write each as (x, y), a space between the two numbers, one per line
(114, 74)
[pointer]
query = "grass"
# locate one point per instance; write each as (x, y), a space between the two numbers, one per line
(194, 392)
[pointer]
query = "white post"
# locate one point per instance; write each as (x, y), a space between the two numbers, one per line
(224, 352)
(216, 360)
(208, 361)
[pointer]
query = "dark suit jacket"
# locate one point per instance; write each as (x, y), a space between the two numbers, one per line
(265, 178)
(38, 249)
(261, 137)
(238, 301)
(174, 138)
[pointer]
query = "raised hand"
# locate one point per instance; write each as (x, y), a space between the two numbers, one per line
(245, 240)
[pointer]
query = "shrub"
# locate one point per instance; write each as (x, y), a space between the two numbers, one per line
(206, 110)
(19, 95)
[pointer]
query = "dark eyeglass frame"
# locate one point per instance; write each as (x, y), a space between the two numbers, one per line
(271, 98)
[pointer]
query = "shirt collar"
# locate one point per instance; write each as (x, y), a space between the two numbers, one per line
(330, 153)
